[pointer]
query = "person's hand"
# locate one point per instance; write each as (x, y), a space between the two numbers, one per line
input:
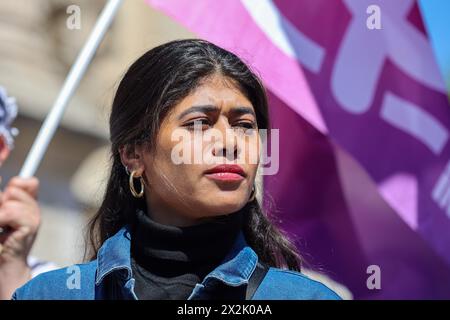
(20, 216)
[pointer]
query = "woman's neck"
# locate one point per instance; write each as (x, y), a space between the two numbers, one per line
(171, 250)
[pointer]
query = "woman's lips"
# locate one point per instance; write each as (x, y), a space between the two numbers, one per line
(225, 176)
(226, 172)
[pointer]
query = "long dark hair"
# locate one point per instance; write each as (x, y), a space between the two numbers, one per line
(149, 89)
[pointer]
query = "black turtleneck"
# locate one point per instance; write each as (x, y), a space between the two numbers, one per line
(168, 261)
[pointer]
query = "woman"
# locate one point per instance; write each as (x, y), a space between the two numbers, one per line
(170, 229)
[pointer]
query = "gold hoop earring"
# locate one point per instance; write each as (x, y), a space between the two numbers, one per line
(253, 194)
(132, 189)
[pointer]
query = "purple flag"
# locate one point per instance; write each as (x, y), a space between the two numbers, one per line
(364, 174)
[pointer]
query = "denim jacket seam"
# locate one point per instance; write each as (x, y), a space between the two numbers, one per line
(100, 265)
(251, 268)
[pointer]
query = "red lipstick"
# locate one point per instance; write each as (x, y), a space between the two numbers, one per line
(226, 172)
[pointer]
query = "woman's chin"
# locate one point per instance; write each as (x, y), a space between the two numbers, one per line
(221, 207)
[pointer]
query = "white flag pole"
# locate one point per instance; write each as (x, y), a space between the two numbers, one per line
(71, 83)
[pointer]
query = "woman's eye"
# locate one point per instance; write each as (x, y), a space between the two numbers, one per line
(247, 128)
(199, 123)
(246, 125)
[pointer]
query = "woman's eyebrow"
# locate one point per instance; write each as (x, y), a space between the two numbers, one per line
(204, 109)
(241, 110)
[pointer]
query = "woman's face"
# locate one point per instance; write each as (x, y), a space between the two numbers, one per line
(215, 125)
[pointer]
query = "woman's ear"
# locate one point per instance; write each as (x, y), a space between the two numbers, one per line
(4, 150)
(132, 158)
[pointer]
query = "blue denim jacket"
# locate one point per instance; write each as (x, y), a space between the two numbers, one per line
(88, 281)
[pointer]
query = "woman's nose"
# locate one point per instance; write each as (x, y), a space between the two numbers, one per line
(227, 150)
(227, 145)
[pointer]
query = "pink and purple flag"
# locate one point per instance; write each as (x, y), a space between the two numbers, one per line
(364, 119)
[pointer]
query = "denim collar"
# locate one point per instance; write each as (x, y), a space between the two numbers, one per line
(238, 265)
(114, 256)
(235, 269)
